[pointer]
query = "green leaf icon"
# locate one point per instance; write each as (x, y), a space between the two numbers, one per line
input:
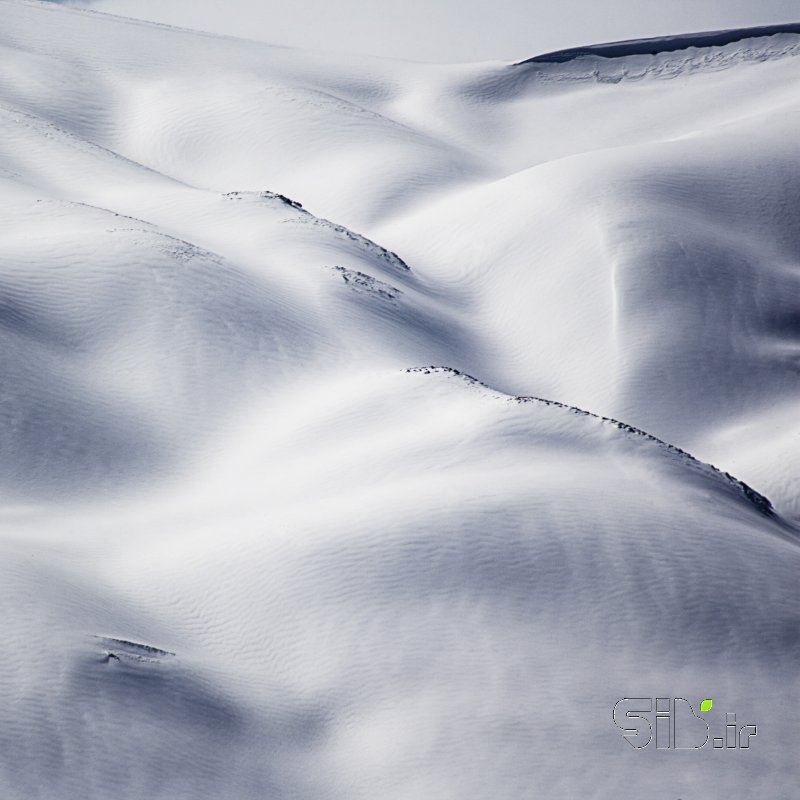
(705, 705)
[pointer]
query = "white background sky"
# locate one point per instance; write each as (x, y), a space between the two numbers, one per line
(453, 30)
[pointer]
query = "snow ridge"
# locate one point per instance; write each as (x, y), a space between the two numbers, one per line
(758, 500)
(370, 248)
(663, 44)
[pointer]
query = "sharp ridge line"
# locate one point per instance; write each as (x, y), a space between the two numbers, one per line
(762, 503)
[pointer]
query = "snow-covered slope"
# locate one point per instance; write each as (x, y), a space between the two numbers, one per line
(668, 44)
(252, 546)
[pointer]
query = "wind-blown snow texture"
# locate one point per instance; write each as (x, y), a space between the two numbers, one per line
(253, 547)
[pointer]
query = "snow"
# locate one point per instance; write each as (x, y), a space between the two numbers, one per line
(254, 546)
(667, 44)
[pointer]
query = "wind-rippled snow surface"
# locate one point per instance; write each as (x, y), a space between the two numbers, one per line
(253, 546)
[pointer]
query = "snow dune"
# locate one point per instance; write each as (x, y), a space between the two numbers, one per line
(252, 546)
